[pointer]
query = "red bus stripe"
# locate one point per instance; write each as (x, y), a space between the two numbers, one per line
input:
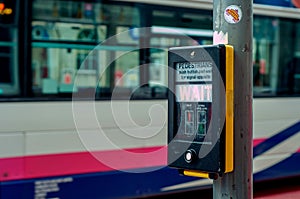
(80, 162)
(47, 165)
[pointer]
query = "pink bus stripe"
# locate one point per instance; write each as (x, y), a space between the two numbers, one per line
(258, 141)
(36, 166)
(47, 165)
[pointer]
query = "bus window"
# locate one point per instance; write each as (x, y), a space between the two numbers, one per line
(172, 28)
(275, 56)
(109, 49)
(291, 59)
(265, 59)
(76, 46)
(9, 48)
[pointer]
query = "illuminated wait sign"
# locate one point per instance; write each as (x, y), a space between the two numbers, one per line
(194, 93)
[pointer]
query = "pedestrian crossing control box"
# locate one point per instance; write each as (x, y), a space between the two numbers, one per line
(201, 110)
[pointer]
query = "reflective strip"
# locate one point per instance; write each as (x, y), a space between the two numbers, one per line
(229, 109)
(195, 174)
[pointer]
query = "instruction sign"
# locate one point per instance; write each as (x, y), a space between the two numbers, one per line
(194, 71)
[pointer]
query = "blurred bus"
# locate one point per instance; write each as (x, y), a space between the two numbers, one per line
(83, 95)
